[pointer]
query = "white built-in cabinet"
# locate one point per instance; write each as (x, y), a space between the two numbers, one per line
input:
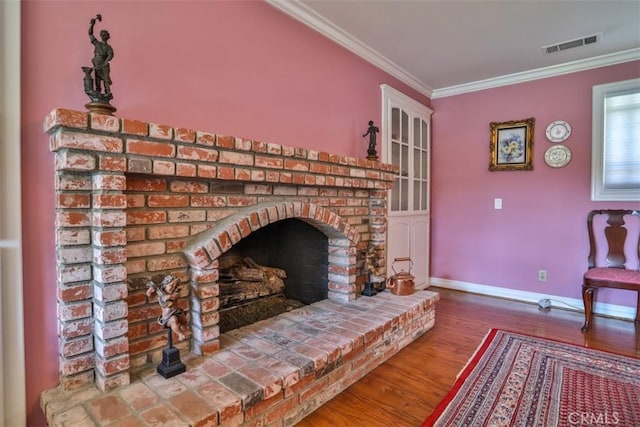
(406, 143)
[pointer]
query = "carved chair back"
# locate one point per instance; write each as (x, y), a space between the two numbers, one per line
(614, 238)
(614, 256)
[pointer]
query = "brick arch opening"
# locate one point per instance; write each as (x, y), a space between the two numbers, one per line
(204, 249)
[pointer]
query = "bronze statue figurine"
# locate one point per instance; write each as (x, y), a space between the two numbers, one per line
(172, 316)
(372, 131)
(98, 85)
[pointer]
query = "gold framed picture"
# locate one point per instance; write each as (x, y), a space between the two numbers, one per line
(511, 146)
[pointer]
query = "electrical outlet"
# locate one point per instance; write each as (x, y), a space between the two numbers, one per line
(542, 275)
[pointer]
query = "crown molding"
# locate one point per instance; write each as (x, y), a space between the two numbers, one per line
(541, 73)
(310, 18)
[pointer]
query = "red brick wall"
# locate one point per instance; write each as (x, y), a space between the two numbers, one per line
(134, 201)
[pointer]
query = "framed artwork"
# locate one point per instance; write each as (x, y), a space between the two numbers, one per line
(511, 146)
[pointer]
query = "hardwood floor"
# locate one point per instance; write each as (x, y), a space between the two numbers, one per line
(405, 390)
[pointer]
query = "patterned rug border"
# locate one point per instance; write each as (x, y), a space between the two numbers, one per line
(462, 376)
(477, 356)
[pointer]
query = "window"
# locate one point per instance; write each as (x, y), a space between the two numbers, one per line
(615, 169)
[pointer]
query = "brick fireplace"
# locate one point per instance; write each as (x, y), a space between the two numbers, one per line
(136, 201)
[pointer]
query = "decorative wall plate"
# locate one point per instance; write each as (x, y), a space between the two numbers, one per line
(557, 156)
(558, 131)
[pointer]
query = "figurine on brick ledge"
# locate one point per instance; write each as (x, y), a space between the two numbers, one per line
(371, 151)
(174, 319)
(98, 85)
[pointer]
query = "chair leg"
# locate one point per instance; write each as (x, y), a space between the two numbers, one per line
(587, 299)
(638, 309)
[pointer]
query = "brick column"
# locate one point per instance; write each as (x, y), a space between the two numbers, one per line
(73, 265)
(204, 309)
(378, 227)
(109, 279)
(342, 270)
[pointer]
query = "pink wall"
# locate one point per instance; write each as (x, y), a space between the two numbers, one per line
(237, 68)
(543, 221)
(245, 69)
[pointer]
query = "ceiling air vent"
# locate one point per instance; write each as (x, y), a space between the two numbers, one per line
(583, 41)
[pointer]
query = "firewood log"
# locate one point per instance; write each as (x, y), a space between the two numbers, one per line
(239, 292)
(269, 270)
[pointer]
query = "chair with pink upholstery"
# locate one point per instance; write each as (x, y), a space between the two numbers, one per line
(614, 256)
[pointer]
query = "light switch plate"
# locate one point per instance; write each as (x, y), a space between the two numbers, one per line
(497, 203)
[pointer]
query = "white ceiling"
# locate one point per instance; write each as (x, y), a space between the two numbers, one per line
(443, 47)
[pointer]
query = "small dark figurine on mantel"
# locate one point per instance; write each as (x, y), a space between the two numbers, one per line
(371, 151)
(98, 85)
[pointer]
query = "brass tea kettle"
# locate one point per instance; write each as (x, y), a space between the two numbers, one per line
(401, 283)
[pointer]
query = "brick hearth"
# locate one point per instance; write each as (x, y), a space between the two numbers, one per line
(272, 373)
(136, 201)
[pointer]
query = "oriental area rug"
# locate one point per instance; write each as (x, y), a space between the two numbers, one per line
(520, 380)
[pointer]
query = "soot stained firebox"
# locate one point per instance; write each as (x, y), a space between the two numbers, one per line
(277, 268)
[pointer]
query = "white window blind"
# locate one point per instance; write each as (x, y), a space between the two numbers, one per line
(616, 141)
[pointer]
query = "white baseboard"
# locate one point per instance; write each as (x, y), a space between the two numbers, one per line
(611, 310)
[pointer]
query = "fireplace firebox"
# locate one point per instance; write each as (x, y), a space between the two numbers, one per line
(278, 268)
(298, 248)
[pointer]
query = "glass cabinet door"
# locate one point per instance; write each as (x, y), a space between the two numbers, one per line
(409, 148)
(400, 157)
(420, 164)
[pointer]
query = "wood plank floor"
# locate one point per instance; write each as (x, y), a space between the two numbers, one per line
(405, 390)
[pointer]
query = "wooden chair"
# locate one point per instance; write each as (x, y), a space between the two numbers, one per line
(614, 256)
